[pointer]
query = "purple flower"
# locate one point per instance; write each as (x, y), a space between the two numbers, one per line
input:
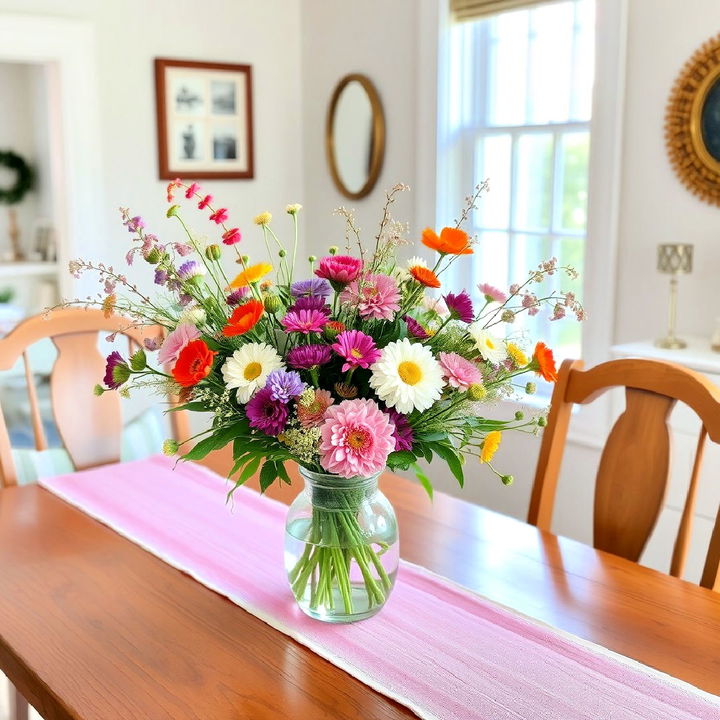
(237, 296)
(152, 344)
(304, 321)
(190, 269)
(135, 224)
(116, 370)
(357, 348)
(185, 300)
(305, 357)
(415, 328)
(130, 256)
(284, 385)
(460, 306)
(311, 302)
(403, 432)
(308, 288)
(266, 414)
(161, 276)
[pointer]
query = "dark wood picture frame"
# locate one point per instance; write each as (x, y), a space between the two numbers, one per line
(168, 168)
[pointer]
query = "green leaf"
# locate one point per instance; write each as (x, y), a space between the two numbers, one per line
(449, 455)
(219, 439)
(195, 406)
(282, 472)
(424, 479)
(267, 475)
(250, 469)
(431, 436)
(400, 458)
(138, 361)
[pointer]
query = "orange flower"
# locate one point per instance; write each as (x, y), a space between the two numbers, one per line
(108, 305)
(425, 276)
(244, 318)
(544, 362)
(251, 275)
(452, 241)
(193, 364)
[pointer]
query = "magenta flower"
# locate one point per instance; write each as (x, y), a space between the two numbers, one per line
(415, 328)
(492, 294)
(176, 341)
(191, 190)
(135, 224)
(459, 372)
(232, 236)
(116, 370)
(356, 438)
(284, 385)
(460, 306)
(403, 432)
(375, 296)
(358, 349)
(339, 270)
(305, 357)
(266, 414)
(304, 321)
(219, 216)
(205, 202)
(161, 276)
(310, 302)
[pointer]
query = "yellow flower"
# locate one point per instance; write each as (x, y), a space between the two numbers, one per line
(490, 446)
(517, 355)
(251, 275)
(293, 209)
(108, 305)
(263, 218)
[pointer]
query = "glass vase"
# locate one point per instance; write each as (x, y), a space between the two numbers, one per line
(341, 547)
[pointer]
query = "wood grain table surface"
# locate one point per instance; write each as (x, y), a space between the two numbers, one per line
(94, 627)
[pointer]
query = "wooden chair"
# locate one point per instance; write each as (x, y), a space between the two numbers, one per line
(634, 466)
(90, 427)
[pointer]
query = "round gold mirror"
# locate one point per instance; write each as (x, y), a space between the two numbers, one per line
(692, 123)
(355, 136)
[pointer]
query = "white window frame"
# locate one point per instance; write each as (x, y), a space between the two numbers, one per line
(599, 277)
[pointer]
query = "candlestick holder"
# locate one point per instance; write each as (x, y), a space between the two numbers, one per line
(673, 259)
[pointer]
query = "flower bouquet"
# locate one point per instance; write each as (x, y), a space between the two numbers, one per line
(361, 362)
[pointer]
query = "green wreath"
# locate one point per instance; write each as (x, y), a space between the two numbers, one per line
(23, 181)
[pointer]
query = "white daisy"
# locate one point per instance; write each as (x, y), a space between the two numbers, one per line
(436, 305)
(247, 368)
(491, 348)
(407, 376)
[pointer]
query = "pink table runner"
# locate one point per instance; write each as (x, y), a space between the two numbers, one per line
(441, 650)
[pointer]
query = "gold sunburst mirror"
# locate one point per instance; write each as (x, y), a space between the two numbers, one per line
(692, 123)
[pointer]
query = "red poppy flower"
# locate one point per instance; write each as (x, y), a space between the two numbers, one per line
(544, 362)
(244, 318)
(193, 364)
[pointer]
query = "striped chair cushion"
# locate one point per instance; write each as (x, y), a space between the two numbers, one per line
(142, 437)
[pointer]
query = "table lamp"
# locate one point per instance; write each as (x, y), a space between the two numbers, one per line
(673, 259)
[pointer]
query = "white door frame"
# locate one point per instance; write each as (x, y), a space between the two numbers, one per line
(67, 49)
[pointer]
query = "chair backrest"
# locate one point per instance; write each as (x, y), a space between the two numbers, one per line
(90, 427)
(634, 466)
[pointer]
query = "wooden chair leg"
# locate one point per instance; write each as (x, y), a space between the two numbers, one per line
(18, 705)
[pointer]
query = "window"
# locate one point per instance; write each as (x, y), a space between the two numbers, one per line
(517, 107)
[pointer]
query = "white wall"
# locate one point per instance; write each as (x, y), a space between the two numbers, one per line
(128, 36)
(17, 133)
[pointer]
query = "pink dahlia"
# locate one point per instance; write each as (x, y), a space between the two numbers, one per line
(356, 438)
(357, 348)
(491, 293)
(304, 321)
(176, 341)
(459, 372)
(311, 412)
(375, 296)
(339, 269)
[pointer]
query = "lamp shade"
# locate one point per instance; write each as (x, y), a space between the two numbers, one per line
(675, 258)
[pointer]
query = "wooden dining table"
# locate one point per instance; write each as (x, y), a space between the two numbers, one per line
(94, 627)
